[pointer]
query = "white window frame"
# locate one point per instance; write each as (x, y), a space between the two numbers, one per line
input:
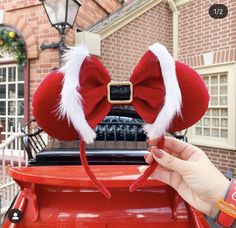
(7, 131)
(217, 142)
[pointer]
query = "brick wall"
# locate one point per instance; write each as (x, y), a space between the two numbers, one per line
(223, 159)
(123, 49)
(199, 33)
(90, 12)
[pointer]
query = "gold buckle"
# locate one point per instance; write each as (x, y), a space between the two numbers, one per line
(115, 91)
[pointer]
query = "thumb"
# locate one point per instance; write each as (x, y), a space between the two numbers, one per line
(169, 161)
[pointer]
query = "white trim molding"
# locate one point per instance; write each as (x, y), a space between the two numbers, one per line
(175, 21)
(182, 2)
(91, 40)
(110, 28)
(1, 16)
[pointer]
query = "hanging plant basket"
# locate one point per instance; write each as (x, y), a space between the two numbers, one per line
(13, 45)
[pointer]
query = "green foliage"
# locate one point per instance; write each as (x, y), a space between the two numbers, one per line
(12, 43)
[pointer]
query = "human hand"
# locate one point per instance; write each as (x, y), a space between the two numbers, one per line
(189, 171)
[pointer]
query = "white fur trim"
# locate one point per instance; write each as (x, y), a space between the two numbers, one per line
(173, 98)
(70, 104)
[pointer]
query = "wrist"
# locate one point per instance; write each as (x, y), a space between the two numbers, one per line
(221, 194)
(226, 216)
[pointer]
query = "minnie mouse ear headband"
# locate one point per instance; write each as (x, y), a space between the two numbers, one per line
(168, 95)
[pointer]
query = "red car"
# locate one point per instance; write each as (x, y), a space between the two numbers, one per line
(56, 192)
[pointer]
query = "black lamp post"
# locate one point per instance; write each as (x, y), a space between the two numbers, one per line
(62, 15)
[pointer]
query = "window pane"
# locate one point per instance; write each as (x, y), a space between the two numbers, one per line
(3, 122)
(198, 131)
(11, 124)
(215, 132)
(223, 89)
(206, 121)
(12, 108)
(2, 108)
(214, 90)
(12, 74)
(20, 73)
(20, 90)
(224, 112)
(215, 122)
(224, 133)
(214, 101)
(206, 132)
(11, 91)
(223, 78)
(223, 100)
(20, 108)
(2, 74)
(215, 112)
(20, 122)
(214, 80)
(2, 91)
(224, 123)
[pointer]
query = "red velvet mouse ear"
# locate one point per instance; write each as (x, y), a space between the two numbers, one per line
(62, 103)
(195, 98)
(45, 104)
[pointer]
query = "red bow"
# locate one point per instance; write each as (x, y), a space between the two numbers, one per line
(148, 89)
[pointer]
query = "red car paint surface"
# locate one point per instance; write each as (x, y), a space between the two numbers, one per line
(63, 196)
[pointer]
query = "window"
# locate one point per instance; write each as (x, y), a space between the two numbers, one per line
(11, 98)
(217, 127)
(215, 121)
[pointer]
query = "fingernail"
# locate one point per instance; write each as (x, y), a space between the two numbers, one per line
(158, 153)
(145, 156)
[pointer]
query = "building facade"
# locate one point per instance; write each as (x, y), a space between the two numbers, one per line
(126, 29)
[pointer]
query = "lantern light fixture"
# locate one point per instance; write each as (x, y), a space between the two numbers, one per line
(61, 15)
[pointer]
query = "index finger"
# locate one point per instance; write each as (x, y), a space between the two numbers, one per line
(185, 150)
